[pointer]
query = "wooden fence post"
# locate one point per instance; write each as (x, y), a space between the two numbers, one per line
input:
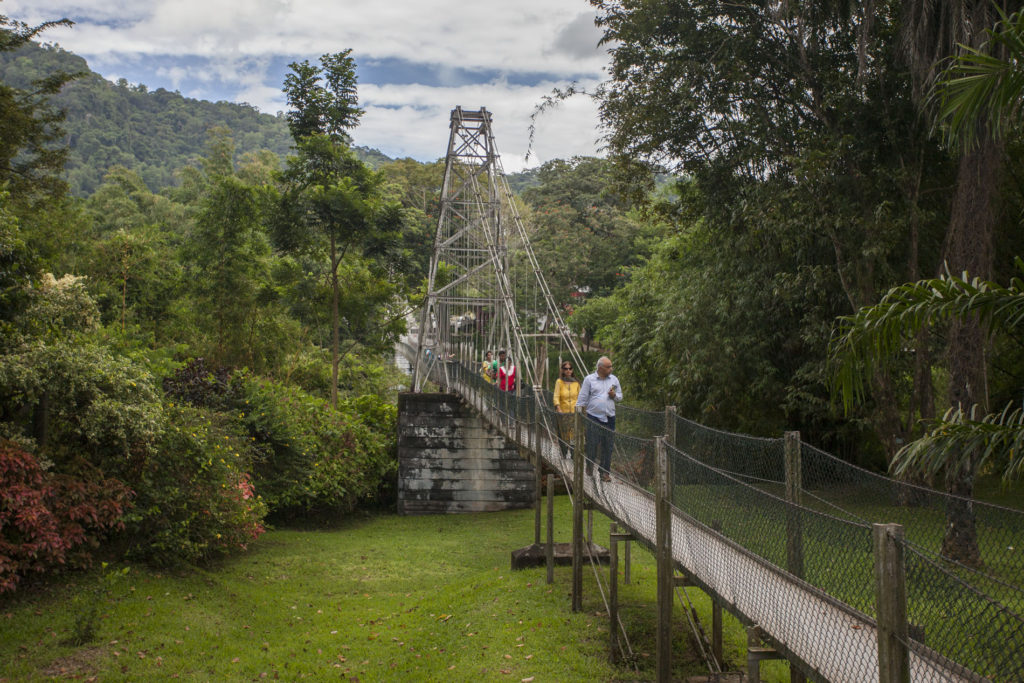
(533, 435)
(517, 409)
(716, 613)
(891, 604)
(549, 550)
(794, 522)
(670, 426)
(626, 561)
(613, 593)
(666, 566)
(577, 515)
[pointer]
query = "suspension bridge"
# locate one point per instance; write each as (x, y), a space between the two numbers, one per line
(834, 568)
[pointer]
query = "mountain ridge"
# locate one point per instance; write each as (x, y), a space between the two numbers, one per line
(154, 132)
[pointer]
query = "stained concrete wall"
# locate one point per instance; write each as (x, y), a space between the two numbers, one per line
(450, 460)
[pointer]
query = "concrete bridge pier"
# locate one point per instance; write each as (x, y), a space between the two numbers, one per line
(450, 460)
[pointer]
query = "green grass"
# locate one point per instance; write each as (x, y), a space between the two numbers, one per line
(378, 598)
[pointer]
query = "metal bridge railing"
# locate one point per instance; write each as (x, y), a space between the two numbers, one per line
(729, 490)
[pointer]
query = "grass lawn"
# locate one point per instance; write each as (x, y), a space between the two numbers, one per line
(376, 598)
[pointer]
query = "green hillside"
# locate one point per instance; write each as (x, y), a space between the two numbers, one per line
(154, 132)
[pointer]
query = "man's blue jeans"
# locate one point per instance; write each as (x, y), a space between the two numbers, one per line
(600, 440)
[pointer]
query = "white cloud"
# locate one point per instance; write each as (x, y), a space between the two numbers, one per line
(398, 129)
(523, 36)
(224, 49)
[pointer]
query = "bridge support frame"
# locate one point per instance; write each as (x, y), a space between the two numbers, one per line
(794, 521)
(549, 548)
(757, 653)
(613, 590)
(533, 436)
(666, 565)
(716, 613)
(579, 459)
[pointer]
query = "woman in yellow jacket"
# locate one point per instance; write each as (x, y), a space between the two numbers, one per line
(567, 390)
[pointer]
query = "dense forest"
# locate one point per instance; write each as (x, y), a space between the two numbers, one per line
(198, 302)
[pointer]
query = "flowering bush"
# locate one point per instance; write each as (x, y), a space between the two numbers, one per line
(310, 458)
(47, 520)
(87, 406)
(195, 498)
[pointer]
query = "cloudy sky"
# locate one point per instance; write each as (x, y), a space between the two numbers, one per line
(417, 59)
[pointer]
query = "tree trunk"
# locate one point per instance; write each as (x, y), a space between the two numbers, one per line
(335, 338)
(968, 247)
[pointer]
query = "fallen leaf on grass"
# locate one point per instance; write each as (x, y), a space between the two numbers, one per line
(527, 680)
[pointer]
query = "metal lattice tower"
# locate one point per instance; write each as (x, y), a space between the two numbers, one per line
(470, 296)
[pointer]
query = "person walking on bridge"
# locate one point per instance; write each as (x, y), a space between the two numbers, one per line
(506, 372)
(598, 395)
(567, 390)
(489, 368)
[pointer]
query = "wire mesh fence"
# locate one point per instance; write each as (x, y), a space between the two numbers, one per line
(804, 568)
(993, 534)
(749, 457)
(955, 622)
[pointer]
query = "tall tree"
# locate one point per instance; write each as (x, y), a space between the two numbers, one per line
(934, 33)
(332, 202)
(800, 148)
(239, 320)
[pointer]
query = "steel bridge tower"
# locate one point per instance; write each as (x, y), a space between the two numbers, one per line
(471, 300)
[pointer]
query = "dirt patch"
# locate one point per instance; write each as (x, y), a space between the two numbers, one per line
(75, 665)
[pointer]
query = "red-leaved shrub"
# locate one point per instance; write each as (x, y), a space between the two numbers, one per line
(50, 519)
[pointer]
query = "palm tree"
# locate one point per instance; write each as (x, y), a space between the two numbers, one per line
(983, 88)
(934, 33)
(964, 440)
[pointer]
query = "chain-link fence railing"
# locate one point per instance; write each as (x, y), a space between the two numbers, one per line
(804, 570)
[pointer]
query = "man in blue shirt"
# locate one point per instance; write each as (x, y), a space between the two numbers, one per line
(598, 395)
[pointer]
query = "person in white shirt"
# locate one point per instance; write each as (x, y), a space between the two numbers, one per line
(598, 395)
